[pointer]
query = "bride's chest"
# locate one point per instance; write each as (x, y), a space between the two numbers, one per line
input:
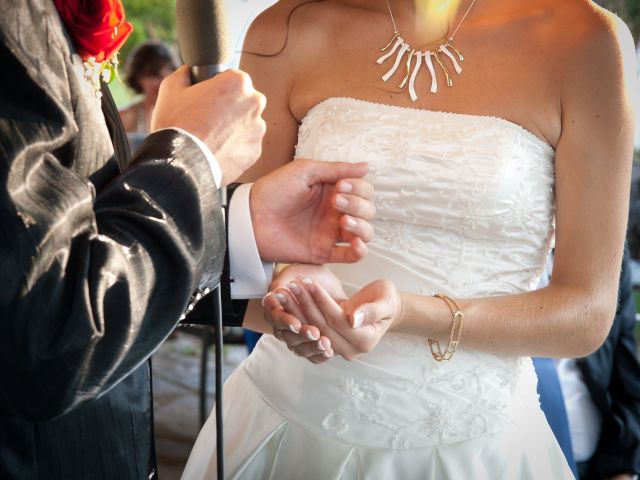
(435, 168)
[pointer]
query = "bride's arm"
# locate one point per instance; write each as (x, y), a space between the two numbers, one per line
(272, 69)
(572, 316)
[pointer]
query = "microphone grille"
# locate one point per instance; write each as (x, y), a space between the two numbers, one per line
(202, 32)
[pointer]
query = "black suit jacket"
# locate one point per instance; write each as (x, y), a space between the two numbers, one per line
(96, 265)
(612, 375)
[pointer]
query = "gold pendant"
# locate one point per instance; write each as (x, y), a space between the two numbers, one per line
(401, 48)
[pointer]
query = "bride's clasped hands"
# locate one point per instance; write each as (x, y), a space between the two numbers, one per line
(310, 312)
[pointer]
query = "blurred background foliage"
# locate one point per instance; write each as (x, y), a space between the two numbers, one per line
(627, 10)
(152, 20)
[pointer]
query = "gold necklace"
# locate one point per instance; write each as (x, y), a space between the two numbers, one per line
(399, 45)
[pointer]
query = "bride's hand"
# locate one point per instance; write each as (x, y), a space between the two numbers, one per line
(352, 326)
(287, 319)
(355, 326)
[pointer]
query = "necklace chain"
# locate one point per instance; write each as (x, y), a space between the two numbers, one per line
(397, 43)
(395, 28)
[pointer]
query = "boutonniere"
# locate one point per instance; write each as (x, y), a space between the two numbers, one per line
(98, 29)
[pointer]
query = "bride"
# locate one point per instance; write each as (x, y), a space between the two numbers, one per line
(480, 165)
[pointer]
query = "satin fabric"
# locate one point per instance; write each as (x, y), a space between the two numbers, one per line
(96, 266)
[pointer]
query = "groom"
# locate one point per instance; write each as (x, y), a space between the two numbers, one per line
(99, 253)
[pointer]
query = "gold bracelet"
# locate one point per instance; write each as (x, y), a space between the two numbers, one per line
(454, 336)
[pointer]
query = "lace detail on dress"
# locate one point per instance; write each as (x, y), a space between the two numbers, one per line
(365, 406)
(466, 201)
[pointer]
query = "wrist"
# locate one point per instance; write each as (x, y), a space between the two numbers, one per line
(401, 312)
(257, 223)
(423, 316)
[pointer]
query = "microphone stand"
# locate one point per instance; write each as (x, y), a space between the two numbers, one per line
(219, 343)
(200, 25)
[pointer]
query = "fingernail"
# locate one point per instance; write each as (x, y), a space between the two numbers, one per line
(281, 298)
(320, 346)
(326, 354)
(310, 335)
(265, 297)
(341, 201)
(308, 284)
(294, 288)
(358, 318)
(345, 187)
(293, 329)
(351, 224)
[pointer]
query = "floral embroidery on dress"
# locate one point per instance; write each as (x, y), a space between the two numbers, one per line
(440, 419)
(465, 206)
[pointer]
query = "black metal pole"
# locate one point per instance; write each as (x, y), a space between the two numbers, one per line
(219, 345)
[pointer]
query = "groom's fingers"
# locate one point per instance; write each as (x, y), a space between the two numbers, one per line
(356, 186)
(351, 253)
(330, 172)
(180, 78)
(355, 227)
(354, 205)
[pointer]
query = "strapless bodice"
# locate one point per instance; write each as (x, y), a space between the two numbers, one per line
(464, 202)
(465, 207)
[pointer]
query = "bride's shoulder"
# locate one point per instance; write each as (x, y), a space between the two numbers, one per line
(290, 24)
(583, 27)
(587, 43)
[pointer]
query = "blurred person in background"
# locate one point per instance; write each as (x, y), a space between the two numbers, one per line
(145, 68)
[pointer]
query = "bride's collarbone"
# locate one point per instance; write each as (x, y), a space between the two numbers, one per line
(524, 105)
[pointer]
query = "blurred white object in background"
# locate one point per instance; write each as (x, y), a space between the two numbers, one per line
(240, 14)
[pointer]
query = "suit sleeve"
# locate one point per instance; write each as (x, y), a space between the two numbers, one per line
(618, 449)
(92, 281)
(233, 310)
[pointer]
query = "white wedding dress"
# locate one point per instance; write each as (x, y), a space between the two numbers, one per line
(465, 207)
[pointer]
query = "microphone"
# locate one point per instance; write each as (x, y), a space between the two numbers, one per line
(202, 36)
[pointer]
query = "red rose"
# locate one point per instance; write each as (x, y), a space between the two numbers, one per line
(97, 27)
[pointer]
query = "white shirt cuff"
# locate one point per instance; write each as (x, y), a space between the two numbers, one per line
(213, 163)
(250, 275)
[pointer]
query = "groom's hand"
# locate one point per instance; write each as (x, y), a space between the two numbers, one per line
(224, 112)
(303, 210)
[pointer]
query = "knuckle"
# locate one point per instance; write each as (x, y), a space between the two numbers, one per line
(261, 101)
(366, 347)
(372, 209)
(262, 127)
(350, 356)
(236, 80)
(245, 83)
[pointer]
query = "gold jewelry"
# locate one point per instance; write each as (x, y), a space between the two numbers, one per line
(454, 336)
(398, 44)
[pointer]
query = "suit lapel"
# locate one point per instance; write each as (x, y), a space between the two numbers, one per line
(25, 42)
(116, 130)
